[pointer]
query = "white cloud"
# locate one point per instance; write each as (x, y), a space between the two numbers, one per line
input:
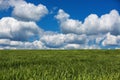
(98, 39)
(58, 40)
(79, 46)
(93, 25)
(91, 47)
(110, 23)
(74, 38)
(71, 26)
(111, 40)
(11, 28)
(28, 11)
(53, 41)
(23, 10)
(68, 25)
(62, 16)
(9, 44)
(4, 42)
(72, 46)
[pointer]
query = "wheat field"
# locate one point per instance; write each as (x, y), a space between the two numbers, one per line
(60, 65)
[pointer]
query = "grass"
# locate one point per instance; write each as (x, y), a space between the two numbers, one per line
(60, 65)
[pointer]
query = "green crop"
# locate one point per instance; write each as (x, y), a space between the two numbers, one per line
(60, 65)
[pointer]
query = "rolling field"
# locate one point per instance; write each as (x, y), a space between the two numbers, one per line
(60, 65)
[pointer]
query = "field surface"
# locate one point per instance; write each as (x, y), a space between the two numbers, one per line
(60, 65)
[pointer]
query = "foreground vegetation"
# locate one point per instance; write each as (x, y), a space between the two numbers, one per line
(60, 65)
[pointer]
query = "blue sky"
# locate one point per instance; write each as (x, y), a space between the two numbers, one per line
(61, 18)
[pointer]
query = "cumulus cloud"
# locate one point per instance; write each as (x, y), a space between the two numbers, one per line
(111, 40)
(100, 31)
(9, 44)
(92, 25)
(13, 29)
(72, 46)
(28, 11)
(79, 46)
(68, 25)
(4, 42)
(53, 41)
(59, 40)
(62, 16)
(69, 41)
(23, 10)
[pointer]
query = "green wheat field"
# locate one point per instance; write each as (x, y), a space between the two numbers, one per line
(60, 65)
